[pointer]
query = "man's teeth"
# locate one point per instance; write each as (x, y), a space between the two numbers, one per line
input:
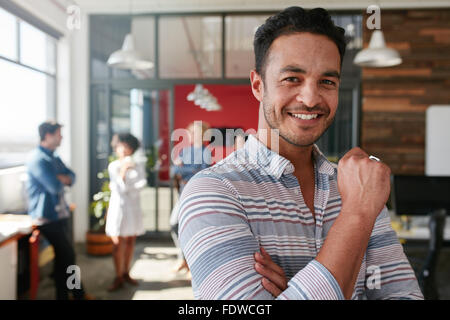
(305, 116)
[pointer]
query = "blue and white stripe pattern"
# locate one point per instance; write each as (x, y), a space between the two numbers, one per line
(252, 199)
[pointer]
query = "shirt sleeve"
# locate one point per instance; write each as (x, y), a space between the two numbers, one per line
(66, 171)
(185, 170)
(219, 245)
(389, 274)
(43, 172)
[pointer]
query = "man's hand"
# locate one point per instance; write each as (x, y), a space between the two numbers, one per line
(274, 279)
(363, 183)
(65, 179)
(364, 186)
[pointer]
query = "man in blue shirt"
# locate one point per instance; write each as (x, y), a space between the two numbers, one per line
(193, 158)
(47, 177)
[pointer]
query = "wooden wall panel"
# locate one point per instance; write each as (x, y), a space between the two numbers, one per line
(395, 99)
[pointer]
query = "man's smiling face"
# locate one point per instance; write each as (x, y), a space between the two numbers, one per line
(299, 91)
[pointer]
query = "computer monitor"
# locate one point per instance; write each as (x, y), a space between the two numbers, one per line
(420, 195)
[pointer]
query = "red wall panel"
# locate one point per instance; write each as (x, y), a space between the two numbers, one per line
(239, 107)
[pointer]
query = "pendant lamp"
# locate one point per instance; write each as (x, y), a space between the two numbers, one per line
(377, 55)
(204, 99)
(128, 57)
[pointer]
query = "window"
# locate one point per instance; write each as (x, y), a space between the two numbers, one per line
(37, 49)
(28, 86)
(8, 39)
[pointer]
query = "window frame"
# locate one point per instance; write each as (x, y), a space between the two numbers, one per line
(21, 17)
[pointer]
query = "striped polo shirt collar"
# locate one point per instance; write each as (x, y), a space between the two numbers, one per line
(277, 165)
(323, 165)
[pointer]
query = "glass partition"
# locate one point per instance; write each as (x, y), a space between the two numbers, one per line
(239, 34)
(120, 115)
(190, 47)
(107, 35)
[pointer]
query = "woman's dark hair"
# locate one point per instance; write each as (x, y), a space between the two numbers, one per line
(293, 20)
(129, 140)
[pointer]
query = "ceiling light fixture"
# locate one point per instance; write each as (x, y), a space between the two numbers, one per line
(127, 57)
(204, 99)
(377, 55)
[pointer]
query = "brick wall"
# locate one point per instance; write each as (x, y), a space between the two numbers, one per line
(395, 99)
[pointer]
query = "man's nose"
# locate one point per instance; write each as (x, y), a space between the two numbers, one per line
(309, 94)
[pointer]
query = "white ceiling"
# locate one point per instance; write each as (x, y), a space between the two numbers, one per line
(155, 6)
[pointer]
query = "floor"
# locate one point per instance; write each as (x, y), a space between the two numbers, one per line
(152, 267)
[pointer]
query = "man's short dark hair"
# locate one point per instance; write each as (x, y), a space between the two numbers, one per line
(48, 127)
(293, 20)
(129, 140)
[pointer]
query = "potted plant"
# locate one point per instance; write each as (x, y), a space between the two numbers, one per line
(152, 163)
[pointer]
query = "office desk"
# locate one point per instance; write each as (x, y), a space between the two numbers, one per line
(419, 228)
(433, 233)
(420, 233)
(12, 228)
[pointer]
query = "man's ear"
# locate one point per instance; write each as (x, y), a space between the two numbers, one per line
(257, 85)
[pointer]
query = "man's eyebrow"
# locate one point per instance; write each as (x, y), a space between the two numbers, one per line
(296, 69)
(332, 73)
(292, 68)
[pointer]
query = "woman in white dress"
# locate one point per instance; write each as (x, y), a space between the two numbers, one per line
(124, 217)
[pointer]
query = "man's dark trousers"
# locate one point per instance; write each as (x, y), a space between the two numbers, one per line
(57, 234)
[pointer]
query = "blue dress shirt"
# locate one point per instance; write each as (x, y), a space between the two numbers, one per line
(43, 187)
(194, 159)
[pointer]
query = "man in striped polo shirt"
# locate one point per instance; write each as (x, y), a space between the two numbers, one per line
(276, 219)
